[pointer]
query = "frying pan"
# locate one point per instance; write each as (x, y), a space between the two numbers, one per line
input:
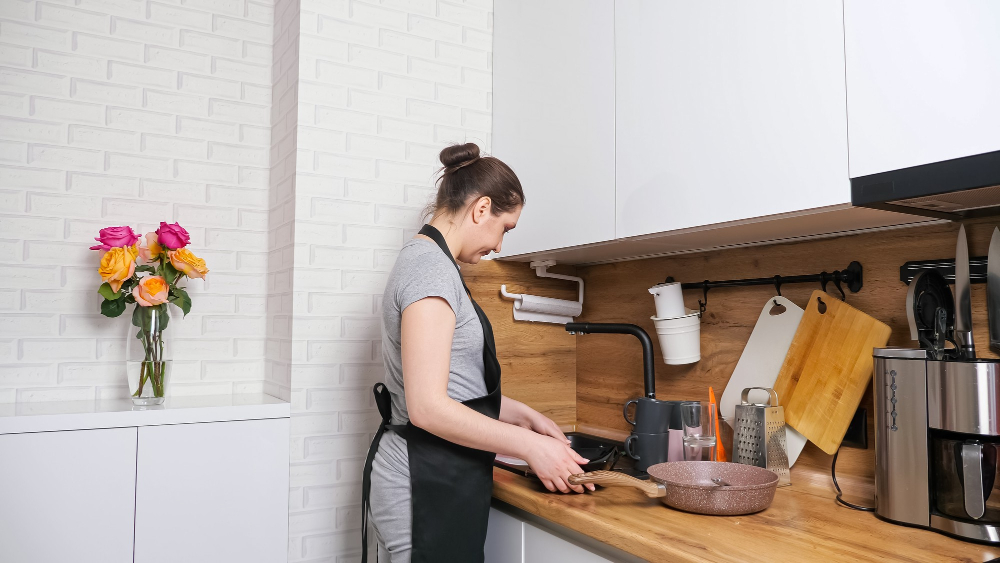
(689, 486)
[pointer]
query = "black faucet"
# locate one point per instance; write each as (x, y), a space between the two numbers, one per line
(648, 374)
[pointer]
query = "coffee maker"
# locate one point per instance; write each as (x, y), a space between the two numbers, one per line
(937, 430)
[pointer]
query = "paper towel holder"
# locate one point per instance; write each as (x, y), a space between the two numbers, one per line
(545, 309)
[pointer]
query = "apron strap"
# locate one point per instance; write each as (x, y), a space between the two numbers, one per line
(384, 402)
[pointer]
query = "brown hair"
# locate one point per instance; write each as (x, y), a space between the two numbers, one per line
(467, 175)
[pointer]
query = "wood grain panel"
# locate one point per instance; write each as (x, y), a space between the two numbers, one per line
(609, 368)
(537, 360)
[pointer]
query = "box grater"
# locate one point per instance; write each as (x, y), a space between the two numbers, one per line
(759, 435)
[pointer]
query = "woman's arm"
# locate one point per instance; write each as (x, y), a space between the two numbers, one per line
(520, 414)
(428, 327)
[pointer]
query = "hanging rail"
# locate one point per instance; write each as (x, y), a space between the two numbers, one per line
(945, 267)
(852, 277)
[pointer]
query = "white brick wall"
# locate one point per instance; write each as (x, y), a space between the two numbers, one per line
(131, 112)
(383, 87)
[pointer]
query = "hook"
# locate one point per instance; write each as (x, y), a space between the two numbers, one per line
(822, 306)
(836, 282)
(824, 279)
(703, 304)
(777, 285)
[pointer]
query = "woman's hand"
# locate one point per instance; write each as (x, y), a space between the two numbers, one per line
(520, 414)
(541, 424)
(553, 461)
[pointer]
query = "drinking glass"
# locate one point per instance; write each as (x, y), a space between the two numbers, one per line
(699, 430)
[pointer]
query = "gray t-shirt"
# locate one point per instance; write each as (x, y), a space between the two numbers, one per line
(423, 270)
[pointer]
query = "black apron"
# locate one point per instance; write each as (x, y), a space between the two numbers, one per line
(450, 485)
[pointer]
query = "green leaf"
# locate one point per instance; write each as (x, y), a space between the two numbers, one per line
(129, 299)
(141, 316)
(162, 317)
(180, 298)
(170, 273)
(112, 307)
(145, 268)
(108, 293)
(140, 334)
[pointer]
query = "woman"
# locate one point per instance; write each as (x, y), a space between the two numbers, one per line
(429, 476)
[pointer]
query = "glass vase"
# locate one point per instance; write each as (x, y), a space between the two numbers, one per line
(147, 354)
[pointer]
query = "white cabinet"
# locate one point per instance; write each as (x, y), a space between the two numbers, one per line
(198, 479)
(67, 496)
(212, 492)
(922, 81)
(554, 118)
(510, 539)
(727, 110)
(542, 547)
(504, 538)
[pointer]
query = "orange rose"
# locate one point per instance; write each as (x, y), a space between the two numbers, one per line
(152, 250)
(118, 265)
(187, 263)
(151, 291)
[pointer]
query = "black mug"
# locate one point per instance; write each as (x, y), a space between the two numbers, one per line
(647, 449)
(653, 416)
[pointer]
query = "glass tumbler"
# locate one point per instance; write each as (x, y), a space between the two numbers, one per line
(699, 430)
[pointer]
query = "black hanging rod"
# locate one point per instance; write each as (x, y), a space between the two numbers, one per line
(851, 277)
(945, 267)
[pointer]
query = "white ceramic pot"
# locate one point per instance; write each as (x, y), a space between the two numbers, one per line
(680, 338)
(669, 300)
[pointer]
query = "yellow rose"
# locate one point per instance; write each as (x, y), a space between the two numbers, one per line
(118, 265)
(152, 250)
(187, 263)
(151, 291)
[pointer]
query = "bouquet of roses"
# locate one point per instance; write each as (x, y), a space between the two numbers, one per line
(166, 262)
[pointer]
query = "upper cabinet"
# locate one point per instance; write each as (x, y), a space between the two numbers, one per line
(922, 81)
(554, 118)
(727, 110)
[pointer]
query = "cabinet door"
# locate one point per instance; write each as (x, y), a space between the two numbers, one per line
(67, 496)
(212, 492)
(922, 81)
(504, 538)
(542, 547)
(727, 110)
(554, 116)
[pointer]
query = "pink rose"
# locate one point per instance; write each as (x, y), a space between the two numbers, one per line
(115, 237)
(172, 236)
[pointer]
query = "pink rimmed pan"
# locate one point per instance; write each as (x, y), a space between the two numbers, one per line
(703, 487)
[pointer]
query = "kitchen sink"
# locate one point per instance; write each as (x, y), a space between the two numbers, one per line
(604, 453)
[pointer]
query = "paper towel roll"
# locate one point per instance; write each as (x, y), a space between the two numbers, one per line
(548, 305)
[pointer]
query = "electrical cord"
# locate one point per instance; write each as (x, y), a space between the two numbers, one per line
(833, 474)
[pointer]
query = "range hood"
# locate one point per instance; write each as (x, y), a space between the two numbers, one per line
(952, 189)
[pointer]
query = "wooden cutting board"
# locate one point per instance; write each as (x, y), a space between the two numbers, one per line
(827, 369)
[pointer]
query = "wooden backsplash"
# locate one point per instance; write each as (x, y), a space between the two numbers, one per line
(540, 360)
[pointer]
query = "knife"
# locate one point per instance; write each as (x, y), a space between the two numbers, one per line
(963, 298)
(993, 290)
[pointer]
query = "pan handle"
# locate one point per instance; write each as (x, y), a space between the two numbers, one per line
(614, 479)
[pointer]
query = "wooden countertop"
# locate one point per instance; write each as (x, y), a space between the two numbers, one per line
(803, 524)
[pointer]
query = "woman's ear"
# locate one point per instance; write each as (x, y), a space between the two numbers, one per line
(481, 209)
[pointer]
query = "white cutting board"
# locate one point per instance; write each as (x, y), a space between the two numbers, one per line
(760, 363)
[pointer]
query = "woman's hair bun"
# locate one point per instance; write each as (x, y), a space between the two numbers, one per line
(456, 155)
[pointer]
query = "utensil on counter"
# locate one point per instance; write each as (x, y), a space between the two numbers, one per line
(963, 298)
(759, 438)
(761, 361)
(930, 310)
(669, 300)
(653, 416)
(690, 486)
(699, 430)
(827, 369)
(720, 449)
(993, 290)
(648, 449)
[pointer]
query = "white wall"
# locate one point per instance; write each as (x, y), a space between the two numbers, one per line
(130, 112)
(383, 88)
